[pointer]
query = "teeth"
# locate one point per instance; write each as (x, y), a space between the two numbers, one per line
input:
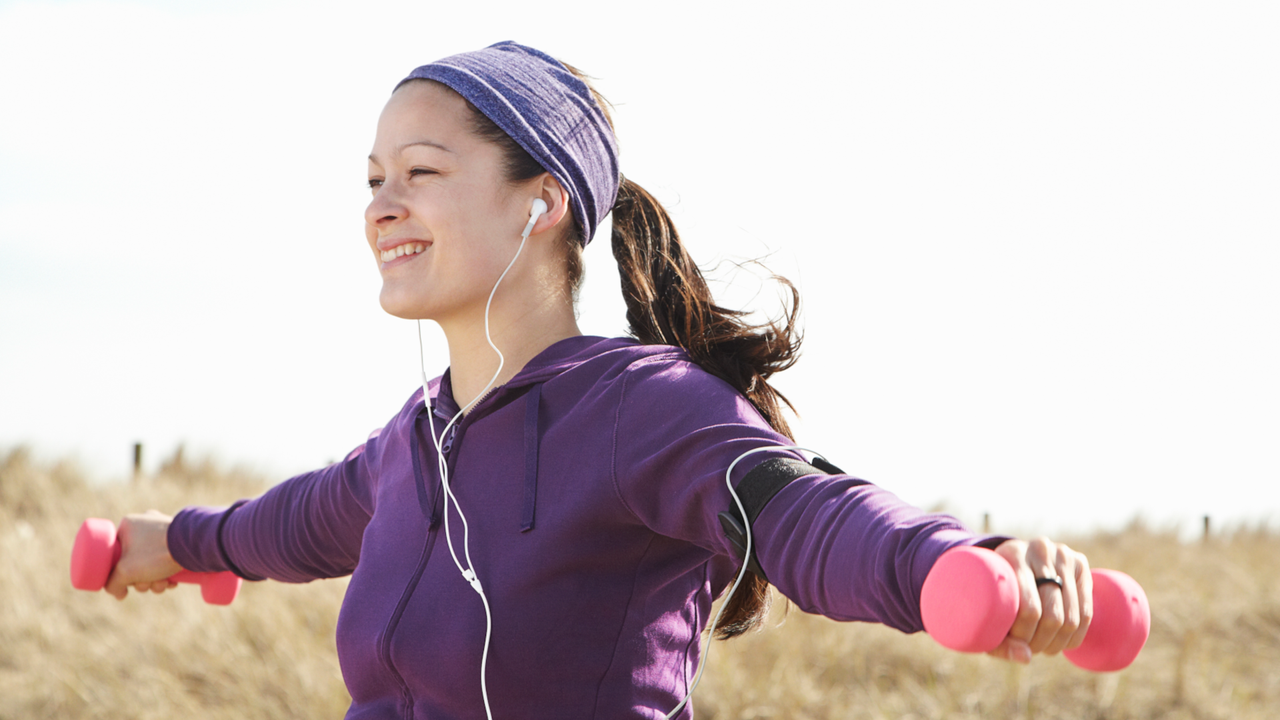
(400, 250)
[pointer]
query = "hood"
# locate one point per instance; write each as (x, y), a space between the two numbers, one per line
(560, 357)
(555, 359)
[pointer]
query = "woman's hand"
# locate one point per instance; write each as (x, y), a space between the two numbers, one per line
(145, 562)
(1049, 619)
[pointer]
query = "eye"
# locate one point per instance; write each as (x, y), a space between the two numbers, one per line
(421, 171)
(375, 183)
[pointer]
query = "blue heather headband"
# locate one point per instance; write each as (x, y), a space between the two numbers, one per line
(548, 111)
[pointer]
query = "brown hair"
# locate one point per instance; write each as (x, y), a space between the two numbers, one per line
(669, 303)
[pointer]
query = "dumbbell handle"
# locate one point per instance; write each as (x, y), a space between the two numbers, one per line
(97, 550)
(970, 600)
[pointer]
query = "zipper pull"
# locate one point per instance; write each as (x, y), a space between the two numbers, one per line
(448, 442)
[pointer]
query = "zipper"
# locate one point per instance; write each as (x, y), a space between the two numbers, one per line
(394, 622)
(388, 632)
(488, 394)
(447, 445)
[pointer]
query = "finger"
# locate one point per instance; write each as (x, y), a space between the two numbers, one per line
(1028, 617)
(1084, 591)
(1045, 557)
(1069, 595)
(1052, 617)
(1052, 612)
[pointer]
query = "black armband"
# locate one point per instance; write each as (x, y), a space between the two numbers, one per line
(755, 491)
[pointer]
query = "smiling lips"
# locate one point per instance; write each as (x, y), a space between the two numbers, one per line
(399, 250)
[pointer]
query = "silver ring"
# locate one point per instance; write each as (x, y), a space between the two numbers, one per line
(1049, 581)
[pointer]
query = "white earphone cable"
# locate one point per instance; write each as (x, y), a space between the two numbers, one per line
(468, 572)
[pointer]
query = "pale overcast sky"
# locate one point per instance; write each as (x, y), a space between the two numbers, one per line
(1037, 243)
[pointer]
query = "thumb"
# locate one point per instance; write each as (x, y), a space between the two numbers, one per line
(1013, 650)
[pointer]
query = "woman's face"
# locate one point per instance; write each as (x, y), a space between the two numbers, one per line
(443, 222)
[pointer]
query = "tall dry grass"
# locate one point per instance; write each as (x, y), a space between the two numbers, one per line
(1214, 650)
(71, 654)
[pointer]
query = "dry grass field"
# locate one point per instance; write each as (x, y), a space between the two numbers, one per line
(1214, 650)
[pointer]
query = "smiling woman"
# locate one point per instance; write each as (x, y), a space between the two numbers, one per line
(440, 224)
(552, 495)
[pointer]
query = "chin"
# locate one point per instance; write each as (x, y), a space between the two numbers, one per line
(401, 307)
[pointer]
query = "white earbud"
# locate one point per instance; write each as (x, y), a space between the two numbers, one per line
(539, 207)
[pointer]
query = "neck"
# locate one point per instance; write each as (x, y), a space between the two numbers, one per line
(519, 330)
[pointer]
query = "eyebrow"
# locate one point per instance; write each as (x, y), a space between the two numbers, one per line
(401, 148)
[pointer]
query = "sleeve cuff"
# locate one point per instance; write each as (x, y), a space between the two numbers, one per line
(195, 540)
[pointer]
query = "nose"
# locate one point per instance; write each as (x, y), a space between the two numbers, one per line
(385, 208)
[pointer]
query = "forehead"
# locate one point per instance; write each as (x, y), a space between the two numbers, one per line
(422, 110)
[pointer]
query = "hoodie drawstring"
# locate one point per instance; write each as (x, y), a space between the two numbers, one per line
(424, 500)
(532, 400)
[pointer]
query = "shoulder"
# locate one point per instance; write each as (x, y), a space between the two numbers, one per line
(631, 383)
(669, 374)
(665, 386)
(654, 371)
(591, 365)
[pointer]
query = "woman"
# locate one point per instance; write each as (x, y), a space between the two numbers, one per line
(540, 531)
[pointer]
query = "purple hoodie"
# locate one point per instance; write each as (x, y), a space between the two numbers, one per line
(591, 483)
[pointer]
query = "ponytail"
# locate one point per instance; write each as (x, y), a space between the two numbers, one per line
(669, 303)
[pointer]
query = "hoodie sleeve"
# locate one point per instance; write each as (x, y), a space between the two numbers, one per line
(305, 528)
(832, 544)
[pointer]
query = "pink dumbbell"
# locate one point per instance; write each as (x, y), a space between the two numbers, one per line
(97, 550)
(970, 599)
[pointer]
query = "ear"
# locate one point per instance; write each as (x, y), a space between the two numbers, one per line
(557, 215)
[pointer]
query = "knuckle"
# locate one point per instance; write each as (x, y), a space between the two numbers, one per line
(1011, 549)
(1086, 616)
(1070, 624)
(1029, 613)
(1082, 561)
(1064, 553)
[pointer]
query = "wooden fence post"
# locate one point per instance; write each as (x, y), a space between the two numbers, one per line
(1206, 528)
(986, 523)
(137, 461)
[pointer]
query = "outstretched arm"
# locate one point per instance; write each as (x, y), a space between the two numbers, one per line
(308, 527)
(305, 528)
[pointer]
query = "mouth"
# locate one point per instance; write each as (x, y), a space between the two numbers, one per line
(402, 251)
